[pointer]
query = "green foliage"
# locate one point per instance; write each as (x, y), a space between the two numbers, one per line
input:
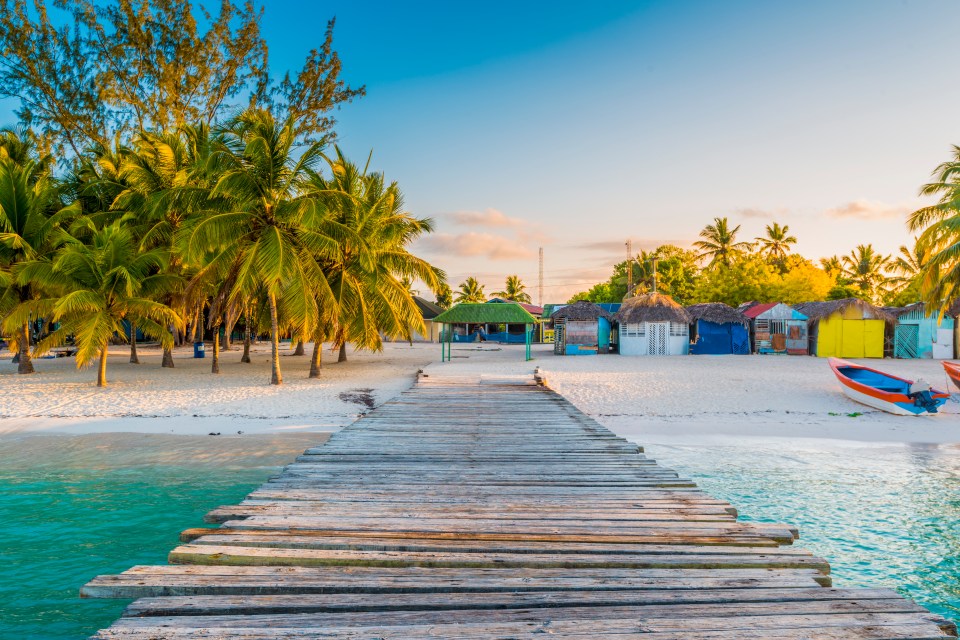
(444, 296)
(115, 68)
(801, 281)
(747, 278)
(514, 290)
(471, 291)
(867, 270)
(719, 243)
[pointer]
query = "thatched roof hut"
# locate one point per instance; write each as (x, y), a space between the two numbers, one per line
(816, 311)
(651, 307)
(717, 313)
(581, 311)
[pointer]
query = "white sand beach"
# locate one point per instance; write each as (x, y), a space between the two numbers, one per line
(695, 397)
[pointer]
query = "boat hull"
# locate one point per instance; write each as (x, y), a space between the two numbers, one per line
(896, 403)
(953, 372)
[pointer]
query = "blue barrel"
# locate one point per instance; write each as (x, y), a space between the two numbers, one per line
(198, 350)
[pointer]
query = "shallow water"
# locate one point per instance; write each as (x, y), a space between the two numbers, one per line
(72, 508)
(883, 515)
(75, 507)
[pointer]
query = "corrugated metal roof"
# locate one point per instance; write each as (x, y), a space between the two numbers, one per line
(757, 309)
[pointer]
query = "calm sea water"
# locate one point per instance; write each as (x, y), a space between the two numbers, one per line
(59, 529)
(883, 515)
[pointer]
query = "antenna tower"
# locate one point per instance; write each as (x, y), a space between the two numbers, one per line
(540, 282)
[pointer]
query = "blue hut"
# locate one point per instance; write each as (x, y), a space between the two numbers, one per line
(919, 335)
(581, 328)
(718, 329)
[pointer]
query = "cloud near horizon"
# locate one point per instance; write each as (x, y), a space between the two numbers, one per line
(487, 218)
(473, 243)
(868, 210)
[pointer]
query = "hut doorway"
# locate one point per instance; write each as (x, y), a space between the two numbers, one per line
(657, 333)
(906, 341)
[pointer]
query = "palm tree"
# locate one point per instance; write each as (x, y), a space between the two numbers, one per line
(371, 271)
(471, 291)
(866, 269)
(264, 228)
(832, 265)
(910, 263)
(97, 286)
(444, 296)
(939, 225)
(31, 217)
(775, 245)
(514, 290)
(719, 243)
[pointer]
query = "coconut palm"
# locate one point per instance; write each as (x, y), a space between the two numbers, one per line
(939, 225)
(31, 221)
(720, 243)
(514, 290)
(444, 296)
(909, 264)
(866, 269)
(471, 291)
(97, 286)
(264, 228)
(775, 245)
(371, 270)
(832, 265)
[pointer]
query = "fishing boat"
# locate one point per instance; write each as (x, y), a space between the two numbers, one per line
(887, 392)
(953, 372)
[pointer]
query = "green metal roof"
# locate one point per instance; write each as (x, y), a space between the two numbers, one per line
(506, 313)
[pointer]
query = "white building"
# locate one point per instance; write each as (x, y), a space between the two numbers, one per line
(652, 324)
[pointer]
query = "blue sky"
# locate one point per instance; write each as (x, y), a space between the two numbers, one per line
(574, 127)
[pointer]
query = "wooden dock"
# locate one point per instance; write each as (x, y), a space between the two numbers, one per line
(492, 508)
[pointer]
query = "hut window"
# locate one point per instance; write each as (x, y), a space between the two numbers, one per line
(678, 329)
(633, 330)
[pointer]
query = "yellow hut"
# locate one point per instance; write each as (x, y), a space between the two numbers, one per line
(849, 328)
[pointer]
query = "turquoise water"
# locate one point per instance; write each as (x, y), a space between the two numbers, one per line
(883, 515)
(60, 528)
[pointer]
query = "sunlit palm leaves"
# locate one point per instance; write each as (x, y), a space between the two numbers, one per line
(719, 243)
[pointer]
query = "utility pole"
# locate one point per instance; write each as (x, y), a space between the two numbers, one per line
(629, 266)
(540, 283)
(654, 259)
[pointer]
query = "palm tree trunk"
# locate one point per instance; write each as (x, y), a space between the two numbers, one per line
(276, 377)
(25, 363)
(102, 369)
(134, 359)
(215, 363)
(343, 352)
(246, 339)
(315, 358)
(167, 362)
(299, 350)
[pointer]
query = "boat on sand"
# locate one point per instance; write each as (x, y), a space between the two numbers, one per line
(953, 372)
(885, 391)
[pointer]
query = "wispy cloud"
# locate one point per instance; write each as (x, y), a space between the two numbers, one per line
(750, 212)
(487, 218)
(868, 210)
(473, 244)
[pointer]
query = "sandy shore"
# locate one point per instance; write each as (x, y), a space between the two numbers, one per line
(657, 399)
(188, 399)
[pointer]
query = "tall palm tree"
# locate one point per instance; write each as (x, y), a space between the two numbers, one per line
(31, 221)
(514, 290)
(866, 269)
(264, 228)
(97, 286)
(471, 291)
(371, 270)
(775, 245)
(720, 243)
(939, 227)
